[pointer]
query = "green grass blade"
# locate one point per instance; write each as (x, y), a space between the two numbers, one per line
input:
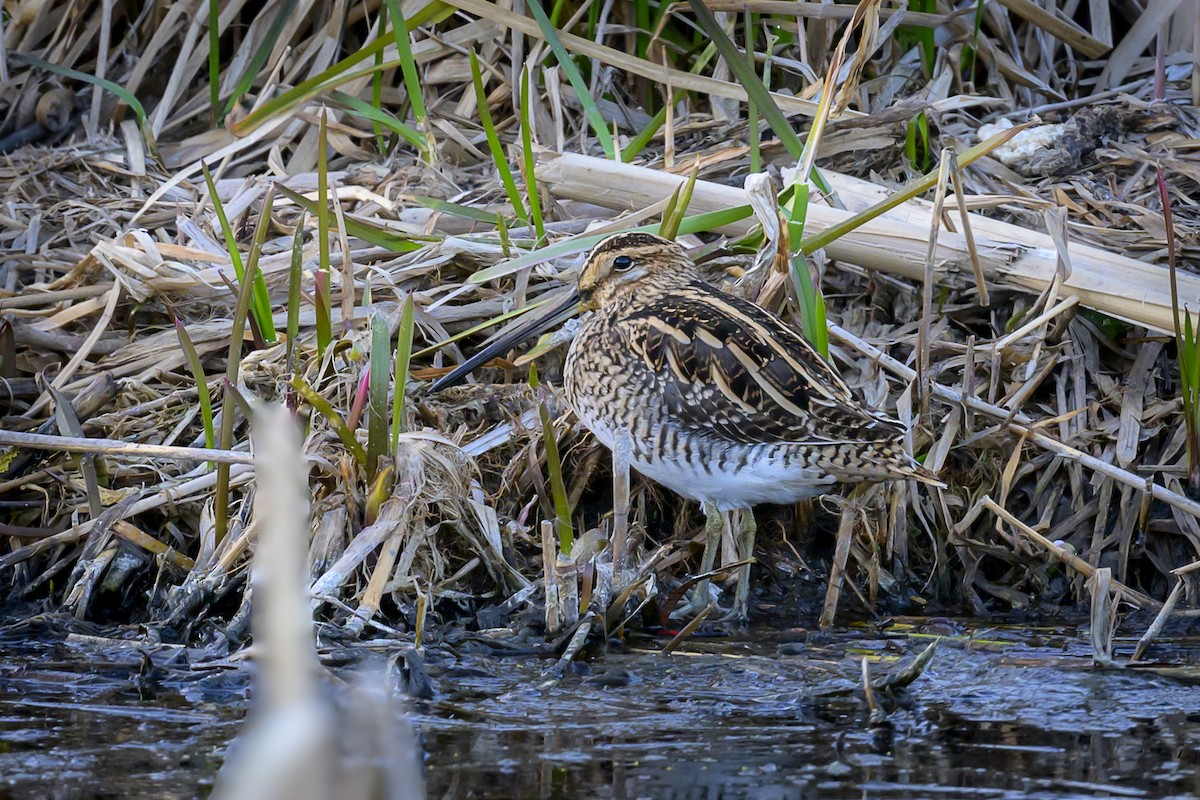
(377, 411)
(558, 490)
(482, 326)
(750, 81)
(377, 81)
(120, 91)
(404, 344)
(237, 333)
(577, 244)
(499, 158)
(322, 406)
(370, 232)
(531, 190)
(380, 118)
(295, 276)
(261, 301)
(408, 68)
(638, 143)
(812, 301)
(259, 59)
(214, 60)
(323, 299)
(339, 73)
(322, 296)
(590, 109)
(197, 369)
(673, 217)
(261, 305)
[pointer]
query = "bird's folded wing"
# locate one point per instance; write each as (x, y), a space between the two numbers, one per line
(726, 366)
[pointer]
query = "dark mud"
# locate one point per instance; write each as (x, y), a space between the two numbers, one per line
(999, 713)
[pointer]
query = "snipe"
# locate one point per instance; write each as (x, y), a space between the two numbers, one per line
(706, 393)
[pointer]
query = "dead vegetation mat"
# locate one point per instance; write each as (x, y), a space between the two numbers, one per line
(108, 235)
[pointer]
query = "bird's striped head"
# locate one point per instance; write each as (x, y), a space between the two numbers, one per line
(625, 261)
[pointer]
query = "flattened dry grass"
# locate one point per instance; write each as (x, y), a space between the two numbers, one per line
(1021, 323)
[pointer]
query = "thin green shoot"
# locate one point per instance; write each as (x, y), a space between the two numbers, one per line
(377, 82)
(378, 494)
(916, 144)
(527, 159)
(639, 142)
(677, 206)
(377, 410)
(970, 53)
(412, 79)
(694, 223)
(757, 92)
(482, 326)
(260, 307)
(323, 297)
(339, 426)
(232, 367)
(323, 292)
(499, 158)
(751, 108)
(813, 321)
(404, 342)
(295, 276)
(749, 80)
(370, 232)
(197, 370)
(335, 75)
(120, 91)
(641, 17)
(1187, 341)
(590, 109)
(214, 61)
(922, 36)
(380, 119)
(558, 489)
(506, 245)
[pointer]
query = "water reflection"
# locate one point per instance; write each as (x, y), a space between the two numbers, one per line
(745, 719)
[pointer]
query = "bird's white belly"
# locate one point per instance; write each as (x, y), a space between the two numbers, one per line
(767, 478)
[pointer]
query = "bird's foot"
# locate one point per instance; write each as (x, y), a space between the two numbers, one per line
(703, 595)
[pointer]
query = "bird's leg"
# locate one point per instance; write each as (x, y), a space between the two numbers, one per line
(713, 524)
(620, 536)
(749, 529)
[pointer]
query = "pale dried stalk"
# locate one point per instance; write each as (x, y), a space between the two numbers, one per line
(113, 447)
(897, 242)
(837, 569)
(1070, 559)
(1103, 617)
(1021, 425)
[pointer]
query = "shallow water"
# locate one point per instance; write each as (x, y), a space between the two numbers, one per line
(1014, 713)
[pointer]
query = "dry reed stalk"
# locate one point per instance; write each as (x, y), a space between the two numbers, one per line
(1160, 620)
(1008, 255)
(111, 447)
(837, 567)
(1103, 618)
(1070, 559)
(1021, 425)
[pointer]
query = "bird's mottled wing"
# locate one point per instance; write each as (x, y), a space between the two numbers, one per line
(726, 366)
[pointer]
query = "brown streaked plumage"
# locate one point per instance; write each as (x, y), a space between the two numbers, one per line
(707, 393)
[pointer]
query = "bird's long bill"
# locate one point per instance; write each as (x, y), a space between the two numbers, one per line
(559, 312)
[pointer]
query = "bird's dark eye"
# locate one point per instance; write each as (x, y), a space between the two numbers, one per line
(622, 263)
